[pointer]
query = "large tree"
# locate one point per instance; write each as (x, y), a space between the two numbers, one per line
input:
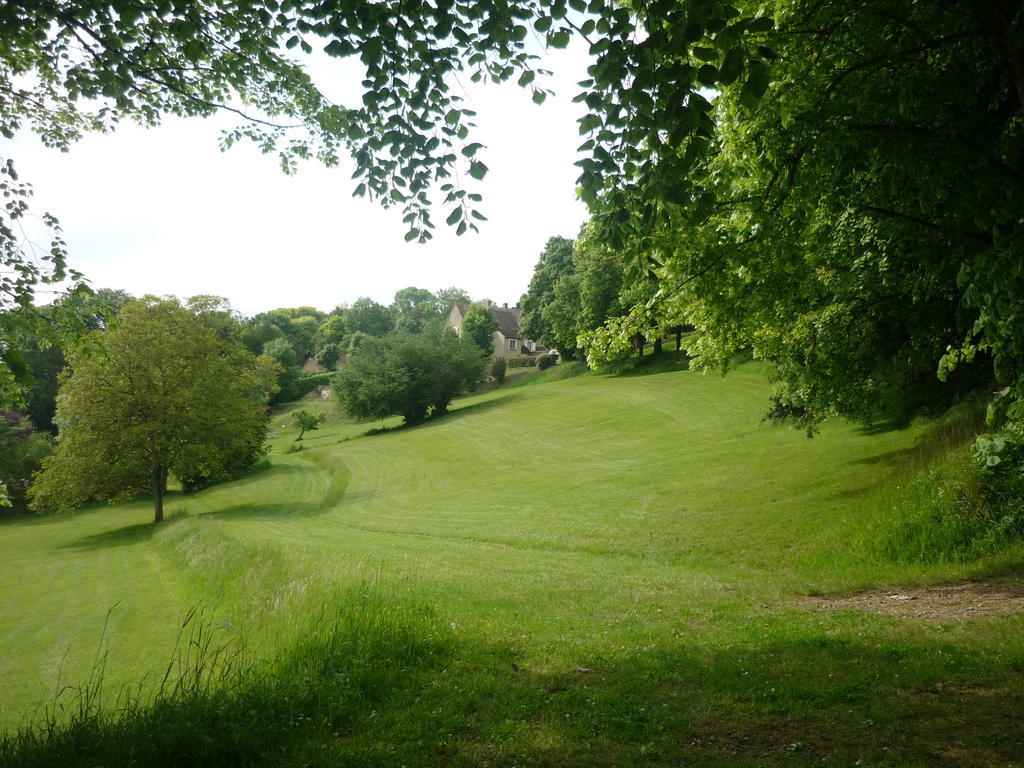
(849, 205)
(554, 262)
(173, 391)
(367, 316)
(413, 309)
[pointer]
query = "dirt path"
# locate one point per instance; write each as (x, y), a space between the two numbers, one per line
(945, 602)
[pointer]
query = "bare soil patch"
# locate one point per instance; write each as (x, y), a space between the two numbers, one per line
(944, 602)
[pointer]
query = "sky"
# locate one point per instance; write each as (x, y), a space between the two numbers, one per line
(164, 211)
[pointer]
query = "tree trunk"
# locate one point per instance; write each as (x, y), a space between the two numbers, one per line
(638, 342)
(159, 485)
(657, 345)
(679, 338)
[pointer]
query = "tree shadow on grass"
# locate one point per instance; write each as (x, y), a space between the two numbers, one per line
(813, 701)
(241, 512)
(898, 456)
(883, 426)
(453, 414)
(483, 406)
(128, 535)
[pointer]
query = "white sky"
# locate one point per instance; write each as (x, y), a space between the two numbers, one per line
(163, 211)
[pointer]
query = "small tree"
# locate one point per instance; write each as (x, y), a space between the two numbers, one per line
(479, 326)
(173, 391)
(498, 369)
(305, 421)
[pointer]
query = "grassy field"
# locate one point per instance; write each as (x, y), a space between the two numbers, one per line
(613, 568)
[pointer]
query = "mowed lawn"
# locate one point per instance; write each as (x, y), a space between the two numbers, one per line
(620, 561)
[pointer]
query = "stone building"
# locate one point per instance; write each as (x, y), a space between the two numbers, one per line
(507, 340)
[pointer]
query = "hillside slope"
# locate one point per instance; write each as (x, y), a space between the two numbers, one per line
(647, 527)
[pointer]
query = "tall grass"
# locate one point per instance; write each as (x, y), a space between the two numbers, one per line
(217, 706)
(946, 508)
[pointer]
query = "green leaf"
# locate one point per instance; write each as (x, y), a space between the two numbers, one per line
(732, 66)
(453, 217)
(336, 48)
(527, 77)
(477, 170)
(756, 85)
(539, 96)
(760, 24)
(707, 75)
(560, 39)
(411, 235)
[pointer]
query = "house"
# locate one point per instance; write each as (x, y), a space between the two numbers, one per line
(507, 340)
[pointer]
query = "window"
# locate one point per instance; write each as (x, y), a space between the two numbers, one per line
(511, 343)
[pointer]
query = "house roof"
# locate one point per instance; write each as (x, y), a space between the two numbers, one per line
(508, 322)
(507, 317)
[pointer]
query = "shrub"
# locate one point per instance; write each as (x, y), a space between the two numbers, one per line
(545, 361)
(498, 369)
(412, 376)
(306, 384)
(522, 362)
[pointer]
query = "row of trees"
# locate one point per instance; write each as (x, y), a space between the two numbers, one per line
(293, 335)
(578, 287)
(157, 388)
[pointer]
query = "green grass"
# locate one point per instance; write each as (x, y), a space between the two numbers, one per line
(617, 562)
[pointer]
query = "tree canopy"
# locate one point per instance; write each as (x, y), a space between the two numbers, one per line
(858, 225)
(554, 262)
(173, 391)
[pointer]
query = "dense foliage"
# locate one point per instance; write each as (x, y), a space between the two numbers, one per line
(22, 448)
(412, 376)
(860, 225)
(499, 369)
(554, 262)
(173, 392)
